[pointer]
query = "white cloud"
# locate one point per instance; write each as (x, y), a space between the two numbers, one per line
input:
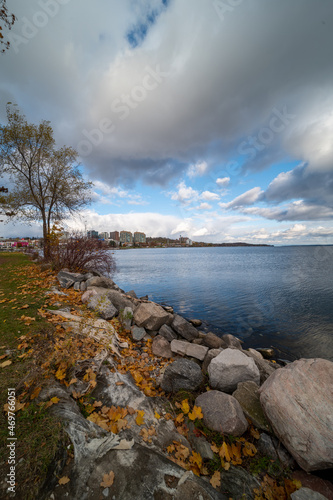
(209, 196)
(223, 181)
(204, 206)
(247, 198)
(198, 169)
(185, 194)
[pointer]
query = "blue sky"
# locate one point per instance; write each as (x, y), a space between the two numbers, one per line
(210, 119)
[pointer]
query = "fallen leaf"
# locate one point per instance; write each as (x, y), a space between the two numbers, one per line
(25, 306)
(108, 480)
(185, 406)
(139, 419)
(156, 415)
(214, 448)
(5, 363)
(35, 393)
(224, 452)
(64, 480)
(195, 413)
(216, 479)
(72, 381)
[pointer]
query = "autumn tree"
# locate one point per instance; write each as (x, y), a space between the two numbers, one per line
(6, 20)
(48, 185)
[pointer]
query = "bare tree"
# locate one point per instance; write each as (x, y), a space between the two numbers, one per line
(48, 185)
(6, 20)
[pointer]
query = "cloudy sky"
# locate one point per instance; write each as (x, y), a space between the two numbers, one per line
(206, 118)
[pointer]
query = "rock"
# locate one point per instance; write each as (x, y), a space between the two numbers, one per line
(211, 354)
(266, 352)
(222, 413)
(86, 296)
(298, 402)
(151, 316)
(138, 333)
(231, 367)
(119, 300)
(83, 286)
(307, 494)
(197, 341)
(144, 298)
(213, 341)
(232, 341)
(77, 286)
(266, 368)
(195, 322)
(132, 294)
(182, 374)
(102, 305)
(100, 281)
(248, 397)
(126, 317)
(169, 309)
(254, 354)
(161, 347)
(315, 483)
(271, 447)
(184, 328)
(167, 332)
(186, 349)
(67, 279)
(239, 483)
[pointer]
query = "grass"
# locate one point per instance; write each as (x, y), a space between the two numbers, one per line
(22, 293)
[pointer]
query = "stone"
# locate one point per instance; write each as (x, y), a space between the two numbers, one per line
(86, 296)
(83, 286)
(222, 413)
(186, 349)
(77, 286)
(315, 483)
(161, 347)
(132, 294)
(231, 367)
(271, 447)
(100, 281)
(151, 316)
(254, 354)
(266, 352)
(167, 332)
(119, 300)
(182, 374)
(67, 279)
(232, 341)
(239, 483)
(184, 328)
(307, 494)
(197, 341)
(195, 322)
(138, 333)
(211, 354)
(213, 341)
(248, 397)
(298, 402)
(102, 305)
(266, 368)
(126, 317)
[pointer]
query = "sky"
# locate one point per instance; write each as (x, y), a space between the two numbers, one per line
(208, 119)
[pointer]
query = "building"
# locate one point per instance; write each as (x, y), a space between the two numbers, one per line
(126, 237)
(92, 234)
(114, 235)
(104, 235)
(139, 237)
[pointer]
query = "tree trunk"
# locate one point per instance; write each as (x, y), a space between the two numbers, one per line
(46, 239)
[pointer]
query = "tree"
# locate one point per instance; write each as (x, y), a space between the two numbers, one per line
(48, 185)
(6, 20)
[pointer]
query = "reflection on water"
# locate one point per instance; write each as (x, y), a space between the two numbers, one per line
(280, 296)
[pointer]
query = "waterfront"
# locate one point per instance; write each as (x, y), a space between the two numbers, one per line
(267, 296)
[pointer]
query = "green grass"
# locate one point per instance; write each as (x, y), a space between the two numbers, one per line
(38, 433)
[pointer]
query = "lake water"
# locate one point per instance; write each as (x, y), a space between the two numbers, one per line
(267, 296)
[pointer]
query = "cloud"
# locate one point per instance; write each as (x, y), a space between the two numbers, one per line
(115, 194)
(198, 169)
(299, 234)
(209, 196)
(247, 198)
(204, 206)
(184, 194)
(223, 181)
(296, 211)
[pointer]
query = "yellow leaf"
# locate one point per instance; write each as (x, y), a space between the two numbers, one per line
(25, 306)
(35, 393)
(61, 373)
(216, 479)
(73, 380)
(214, 448)
(196, 413)
(139, 419)
(224, 452)
(180, 418)
(185, 406)
(249, 450)
(55, 400)
(156, 415)
(108, 480)
(226, 466)
(255, 433)
(64, 480)
(5, 363)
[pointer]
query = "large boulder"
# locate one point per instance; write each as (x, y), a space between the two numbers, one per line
(184, 328)
(213, 341)
(102, 305)
(161, 347)
(247, 394)
(119, 300)
(67, 279)
(151, 316)
(211, 354)
(182, 374)
(100, 281)
(167, 332)
(187, 349)
(298, 402)
(232, 341)
(222, 413)
(229, 368)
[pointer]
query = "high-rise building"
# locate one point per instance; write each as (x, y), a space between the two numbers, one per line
(92, 234)
(104, 235)
(126, 237)
(139, 237)
(114, 235)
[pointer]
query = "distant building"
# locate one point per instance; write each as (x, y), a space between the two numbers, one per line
(92, 234)
(104, 235)
(126, 237)
(114, 235)
(139, 237)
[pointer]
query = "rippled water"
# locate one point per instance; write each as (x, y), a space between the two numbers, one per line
(267, 296)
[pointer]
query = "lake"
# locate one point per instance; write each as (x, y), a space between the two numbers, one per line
(267, 296)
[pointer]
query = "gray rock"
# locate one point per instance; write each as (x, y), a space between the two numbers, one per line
(119, 300)
(222, 413)
(195, 322)
(126, 317)
(132, 294)
(232, 341)
(266, 368)
(211, 354)
(239, 483)
(213, 341)
(266, 352)
(151, 316)
(186, 349)
(167, 332)
(161, 347)
(83, 286)
(307, 494)
(67, 279)
(197, 341)
(247, 394)
(100, 281)
(138, 333)
(271, 447)
(102, 305)
(298, 402)
(86, 296)
(229, 368)
(184, 328)
(77, 286)
(182, 374)
(254, 354)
